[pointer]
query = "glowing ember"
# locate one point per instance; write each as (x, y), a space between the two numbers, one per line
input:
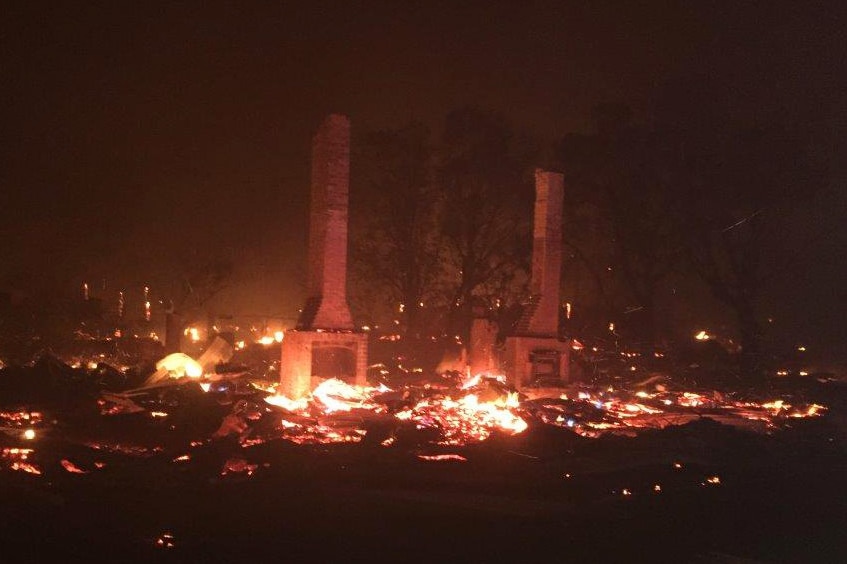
(179, 365)
(288, 404)
(442, 457)
(17, 459)
(470, 383)
(601, 411)
(20, 418)
(702, 336)
(336, 395)
(71, 467)
(464, 420)
(460, 415)
(332, 396)
(29, 434)
(166, 540)
(238, 466)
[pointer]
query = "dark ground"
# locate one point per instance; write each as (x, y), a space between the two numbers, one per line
(780, 499)
(545, 495)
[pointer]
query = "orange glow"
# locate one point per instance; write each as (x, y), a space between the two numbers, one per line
(192, 333)
(16, 459)
(442, 457)
(336, 395)
(180, 365)
(71, 467)
(464, 420)
(286, 403)
(166, 540)
(482, 405)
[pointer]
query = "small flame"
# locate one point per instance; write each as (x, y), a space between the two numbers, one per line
(286, 403)
(180, 365)
(336, 395)
(192, 333)
(471, 382)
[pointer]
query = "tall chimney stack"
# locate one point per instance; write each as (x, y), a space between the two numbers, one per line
(326, 307)
(546, 253)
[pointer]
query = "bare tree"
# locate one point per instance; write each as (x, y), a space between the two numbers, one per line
(741, 189)
(201, 280)
(620, 218)
(395, 238)
(486, 195)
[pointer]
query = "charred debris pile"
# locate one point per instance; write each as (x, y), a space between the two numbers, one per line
(84, 435)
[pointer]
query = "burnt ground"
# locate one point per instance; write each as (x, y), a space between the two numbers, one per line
(726, 493)
(546, 495)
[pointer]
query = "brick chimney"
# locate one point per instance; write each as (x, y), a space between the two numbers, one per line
(534, 355)
(542, 316)
(326, 305)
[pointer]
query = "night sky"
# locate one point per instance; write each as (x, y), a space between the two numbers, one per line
(137, 134)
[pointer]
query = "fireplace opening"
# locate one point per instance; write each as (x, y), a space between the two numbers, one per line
(334, 362)
(545, 367)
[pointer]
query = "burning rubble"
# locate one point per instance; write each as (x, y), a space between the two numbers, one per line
(618, 436)
(191, 404)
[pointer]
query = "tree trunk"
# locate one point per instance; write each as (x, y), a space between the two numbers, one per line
(173, 332)
(750, 361)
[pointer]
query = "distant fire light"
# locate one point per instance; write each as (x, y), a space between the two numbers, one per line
(146, 303)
